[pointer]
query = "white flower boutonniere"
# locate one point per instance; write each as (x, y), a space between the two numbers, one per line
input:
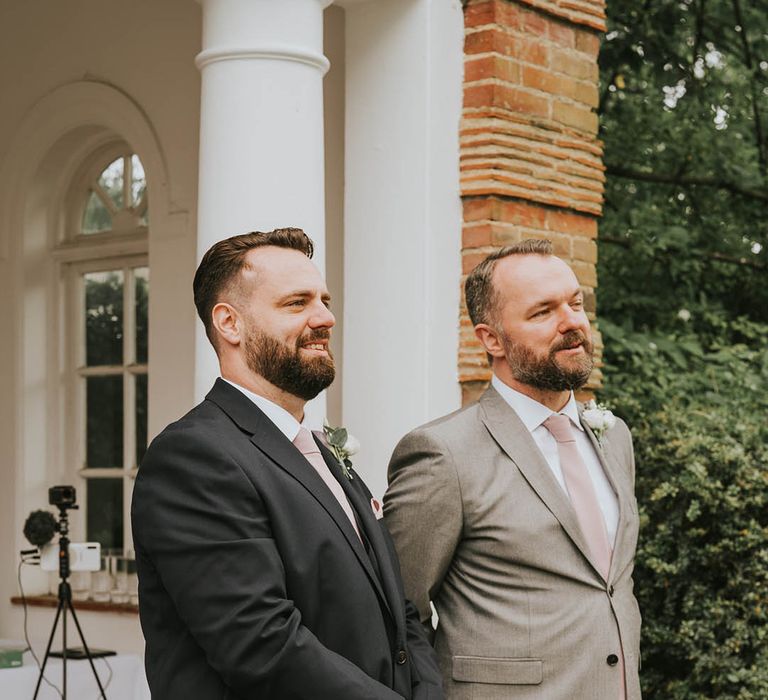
(343, 445)
(599, 418)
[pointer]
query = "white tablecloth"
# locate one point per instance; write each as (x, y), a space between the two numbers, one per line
(128, 681)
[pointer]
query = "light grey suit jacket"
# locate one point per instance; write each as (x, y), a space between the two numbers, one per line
(485, 532)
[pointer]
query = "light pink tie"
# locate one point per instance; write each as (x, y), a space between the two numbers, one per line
(581, 490)
(584, 501)
(308, 447)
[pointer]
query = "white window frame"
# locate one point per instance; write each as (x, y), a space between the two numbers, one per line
(76, 255)
(129, 370)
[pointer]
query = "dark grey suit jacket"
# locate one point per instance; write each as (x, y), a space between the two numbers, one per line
(252, 581)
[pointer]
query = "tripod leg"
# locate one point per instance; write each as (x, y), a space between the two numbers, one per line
(48, 648)
(64, 652)
(85, 646)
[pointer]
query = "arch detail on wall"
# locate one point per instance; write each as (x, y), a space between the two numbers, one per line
(68, 123)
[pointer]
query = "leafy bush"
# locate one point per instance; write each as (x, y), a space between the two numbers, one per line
(696, 403)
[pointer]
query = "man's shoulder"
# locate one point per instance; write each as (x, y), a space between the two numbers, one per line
(450, 427)
(464, 415)
(203, 429)
(619, 435)
(205, 416)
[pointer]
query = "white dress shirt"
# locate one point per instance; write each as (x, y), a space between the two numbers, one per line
(533, 414)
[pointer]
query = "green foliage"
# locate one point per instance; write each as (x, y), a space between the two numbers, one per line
(697, 414)
(684, 117)
(683, 305)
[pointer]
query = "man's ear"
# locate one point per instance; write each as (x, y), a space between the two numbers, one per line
(227, 323)
(489, 339)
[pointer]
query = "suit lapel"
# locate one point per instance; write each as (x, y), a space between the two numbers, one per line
(269, 440)
(613, 473)
(516, 441)
(370, 527)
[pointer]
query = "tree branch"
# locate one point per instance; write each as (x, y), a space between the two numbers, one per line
(681, 179)
(714, 255)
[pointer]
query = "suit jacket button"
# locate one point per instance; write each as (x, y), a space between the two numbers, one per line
(612, 660)
(401, 658)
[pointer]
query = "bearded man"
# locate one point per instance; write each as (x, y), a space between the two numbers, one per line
(512, 516)
(265, 570)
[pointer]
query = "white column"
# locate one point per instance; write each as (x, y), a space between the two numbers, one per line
(402, 271)
(261, 129)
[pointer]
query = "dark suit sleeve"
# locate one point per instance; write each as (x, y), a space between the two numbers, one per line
(426, 680)
(201, 524)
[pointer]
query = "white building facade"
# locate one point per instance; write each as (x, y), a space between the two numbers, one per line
(135, 135)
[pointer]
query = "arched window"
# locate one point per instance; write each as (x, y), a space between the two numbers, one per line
(107, 278)
(117, 198)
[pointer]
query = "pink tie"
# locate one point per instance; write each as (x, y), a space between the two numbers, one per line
(308, 447)
(584, 501)
(581, 491)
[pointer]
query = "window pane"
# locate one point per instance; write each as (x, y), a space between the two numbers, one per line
(141, 417)
(104, 318)
(96, 216)
(112, 181)
(105, 512)
(104, 408)
(139, 181)
(141, 279)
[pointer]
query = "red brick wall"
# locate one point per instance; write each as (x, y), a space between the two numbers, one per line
(531, 163)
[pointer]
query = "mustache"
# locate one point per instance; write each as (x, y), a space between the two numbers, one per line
(312, 336)
(572, 339)
(319, 334)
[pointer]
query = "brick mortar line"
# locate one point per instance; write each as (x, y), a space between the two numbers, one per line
(585, 147)
(549, 207)
(555, 188)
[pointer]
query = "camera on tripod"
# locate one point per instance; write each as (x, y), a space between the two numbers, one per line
(64, 557)
(62, 496)
(41, 526)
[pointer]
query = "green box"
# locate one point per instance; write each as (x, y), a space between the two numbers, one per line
(11, 653)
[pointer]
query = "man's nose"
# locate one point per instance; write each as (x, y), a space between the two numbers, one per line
(571, 318)
(322, 317)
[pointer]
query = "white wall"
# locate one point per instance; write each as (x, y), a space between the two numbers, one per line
(124, 70)
(334, 101)
(392, 135)
(404, 68)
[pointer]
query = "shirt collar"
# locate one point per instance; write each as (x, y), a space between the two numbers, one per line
(530, 411)
(283, 420)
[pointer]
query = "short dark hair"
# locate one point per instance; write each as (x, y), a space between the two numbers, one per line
(482, 298)
(224, 260)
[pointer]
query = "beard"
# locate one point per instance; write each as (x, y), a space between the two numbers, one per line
(284, 366)
(544, 371)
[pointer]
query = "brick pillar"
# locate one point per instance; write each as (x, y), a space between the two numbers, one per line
(531, 163)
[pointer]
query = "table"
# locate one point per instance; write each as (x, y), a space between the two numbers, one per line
(128, 681)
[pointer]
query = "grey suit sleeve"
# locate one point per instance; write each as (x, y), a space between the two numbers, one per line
(423, 511)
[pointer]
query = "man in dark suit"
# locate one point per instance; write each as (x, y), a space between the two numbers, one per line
(264, 570)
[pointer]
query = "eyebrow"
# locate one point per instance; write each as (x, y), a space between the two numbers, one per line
(305, 294)
(546, 303)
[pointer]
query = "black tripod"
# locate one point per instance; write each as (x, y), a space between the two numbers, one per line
(65, 603)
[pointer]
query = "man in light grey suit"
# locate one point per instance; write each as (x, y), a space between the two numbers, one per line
(514, 518)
